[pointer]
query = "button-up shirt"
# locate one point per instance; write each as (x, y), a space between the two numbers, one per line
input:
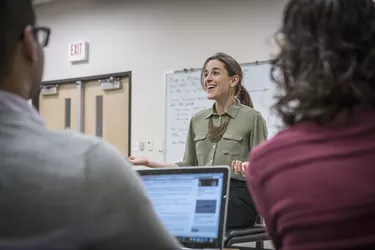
(245, 130)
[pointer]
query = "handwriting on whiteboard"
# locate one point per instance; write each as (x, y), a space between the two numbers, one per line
(186, 97)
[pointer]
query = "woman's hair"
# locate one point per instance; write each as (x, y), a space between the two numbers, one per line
(233, 68)
(326, 64)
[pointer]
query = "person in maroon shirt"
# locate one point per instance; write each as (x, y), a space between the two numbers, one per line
(314, 182)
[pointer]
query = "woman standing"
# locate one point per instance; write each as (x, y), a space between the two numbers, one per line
(223, 134)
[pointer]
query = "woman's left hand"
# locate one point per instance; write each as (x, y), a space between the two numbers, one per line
(240, 167)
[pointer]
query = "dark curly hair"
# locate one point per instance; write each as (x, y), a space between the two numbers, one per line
(326, 64)
(233, 68)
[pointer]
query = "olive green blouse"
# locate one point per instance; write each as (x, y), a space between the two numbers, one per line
(246, 129)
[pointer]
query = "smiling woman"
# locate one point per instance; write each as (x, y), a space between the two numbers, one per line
(223, 134)
(215, 68)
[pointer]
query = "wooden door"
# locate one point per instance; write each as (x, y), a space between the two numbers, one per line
(106, 113)
(60, 111)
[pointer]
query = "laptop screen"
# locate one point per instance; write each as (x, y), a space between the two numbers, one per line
(189, 205)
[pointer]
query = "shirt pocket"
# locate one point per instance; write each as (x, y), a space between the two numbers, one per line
(232, 144)
(200, 144)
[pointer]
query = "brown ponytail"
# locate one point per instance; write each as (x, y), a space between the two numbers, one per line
(243, 96)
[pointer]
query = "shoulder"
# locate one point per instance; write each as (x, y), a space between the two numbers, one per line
(99, 156)
(273, 150)
(106, 169)
(104, 158)
(201, 115)
(73, 143)
(261, 151)
(249, 113)
(91, 153)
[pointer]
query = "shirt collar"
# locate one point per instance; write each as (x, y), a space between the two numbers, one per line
(13, 103)
(232, 111)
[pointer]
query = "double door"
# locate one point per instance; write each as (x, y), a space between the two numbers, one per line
(94, 108)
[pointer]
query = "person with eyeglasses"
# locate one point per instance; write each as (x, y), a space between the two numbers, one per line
(60, 190)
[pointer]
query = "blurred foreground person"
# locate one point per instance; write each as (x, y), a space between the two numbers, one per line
(60, 190)
(314, 182)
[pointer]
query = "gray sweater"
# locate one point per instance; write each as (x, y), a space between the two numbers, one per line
(64, 190)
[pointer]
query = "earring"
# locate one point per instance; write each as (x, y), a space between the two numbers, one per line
(231, 92)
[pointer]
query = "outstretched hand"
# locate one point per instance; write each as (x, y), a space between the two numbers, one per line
(138, 161)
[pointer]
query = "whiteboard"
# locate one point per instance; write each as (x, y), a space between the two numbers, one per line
(185, 97)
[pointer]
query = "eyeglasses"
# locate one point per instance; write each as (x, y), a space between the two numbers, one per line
(41, 35)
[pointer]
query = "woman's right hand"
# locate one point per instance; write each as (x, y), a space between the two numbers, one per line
(139, 161)
(240, 167)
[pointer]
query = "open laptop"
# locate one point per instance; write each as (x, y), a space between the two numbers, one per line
(191, 202)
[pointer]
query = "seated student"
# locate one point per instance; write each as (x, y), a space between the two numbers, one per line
(60, 190)
(314, 182)
(223, 134)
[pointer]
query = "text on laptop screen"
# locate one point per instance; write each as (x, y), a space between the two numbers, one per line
(187, 204)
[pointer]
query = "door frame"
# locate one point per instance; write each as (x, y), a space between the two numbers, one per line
(127, 74)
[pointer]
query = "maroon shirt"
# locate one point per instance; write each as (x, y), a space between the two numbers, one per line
(315, 186)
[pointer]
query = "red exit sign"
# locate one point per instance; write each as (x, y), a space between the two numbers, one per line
(78, 51)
